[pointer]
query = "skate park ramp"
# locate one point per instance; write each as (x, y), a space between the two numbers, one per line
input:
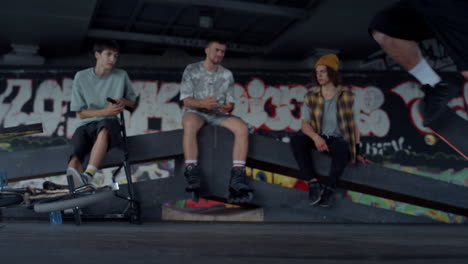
(275, 203)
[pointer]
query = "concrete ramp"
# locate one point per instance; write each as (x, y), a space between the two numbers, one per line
(277, 203)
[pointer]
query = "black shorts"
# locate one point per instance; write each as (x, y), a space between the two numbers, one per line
(444, 20)
(85, 136)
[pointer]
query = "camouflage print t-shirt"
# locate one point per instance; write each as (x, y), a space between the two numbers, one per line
(198, 83)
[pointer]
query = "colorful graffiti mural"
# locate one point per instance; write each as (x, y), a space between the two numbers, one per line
(386, 103)
(366, 199)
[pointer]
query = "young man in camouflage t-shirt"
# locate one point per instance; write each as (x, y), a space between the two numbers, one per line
(207, 90)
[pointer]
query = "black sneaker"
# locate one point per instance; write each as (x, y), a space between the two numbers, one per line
(328, 197)
(315, 192)
(192, 175)
(436, 99)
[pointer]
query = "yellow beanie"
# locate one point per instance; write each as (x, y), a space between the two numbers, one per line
(330, 60)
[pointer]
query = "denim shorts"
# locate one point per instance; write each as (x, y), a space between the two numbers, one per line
(211, 118)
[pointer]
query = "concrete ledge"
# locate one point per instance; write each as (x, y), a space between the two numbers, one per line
(374, 179)
(230, 215)
(20, 165)
(278, 202)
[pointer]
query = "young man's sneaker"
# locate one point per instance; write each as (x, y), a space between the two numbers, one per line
(435, 100)
(80, 179)
(315, 192)
(238, 180)
(239, 190)
(87, 178)
(328, 197)
(192, 175)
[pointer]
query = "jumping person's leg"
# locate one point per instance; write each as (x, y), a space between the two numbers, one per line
(405, 52)
(408, 55)
(397, 30)
(448, 23)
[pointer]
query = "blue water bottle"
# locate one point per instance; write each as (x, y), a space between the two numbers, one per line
(55, 218)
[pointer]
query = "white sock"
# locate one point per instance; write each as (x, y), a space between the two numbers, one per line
(238, 163)
(191, 162)
(91, 170)
(425, 74)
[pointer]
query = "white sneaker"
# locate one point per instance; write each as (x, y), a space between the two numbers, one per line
(76, 177)
(80, 179)
(88, 179)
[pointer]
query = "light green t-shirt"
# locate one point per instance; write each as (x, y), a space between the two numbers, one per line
(90, 92)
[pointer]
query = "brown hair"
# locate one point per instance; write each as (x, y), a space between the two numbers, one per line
(101, 45)
(215, 39)
(333, 75)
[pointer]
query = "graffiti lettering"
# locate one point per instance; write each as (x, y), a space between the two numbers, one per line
(382, 148)
(272, 108)
(372, 121)
(10, 112)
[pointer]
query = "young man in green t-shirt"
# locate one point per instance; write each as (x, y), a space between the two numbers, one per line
(98, 129)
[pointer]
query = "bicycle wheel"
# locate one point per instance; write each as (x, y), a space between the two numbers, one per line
(7, 199)
(80, 200)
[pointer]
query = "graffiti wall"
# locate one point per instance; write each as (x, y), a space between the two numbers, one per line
(386, 104)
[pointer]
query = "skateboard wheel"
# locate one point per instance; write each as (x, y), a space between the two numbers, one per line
(430, 139)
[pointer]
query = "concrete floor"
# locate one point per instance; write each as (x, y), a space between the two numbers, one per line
(190, 242)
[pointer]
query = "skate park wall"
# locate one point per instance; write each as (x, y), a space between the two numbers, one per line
(270, 101)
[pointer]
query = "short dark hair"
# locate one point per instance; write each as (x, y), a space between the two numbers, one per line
(333, 75)
(215, 39)
(103, 44)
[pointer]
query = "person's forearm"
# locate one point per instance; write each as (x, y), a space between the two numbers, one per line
(193, 103)
(357, 133)
(228, 107)
(129, 104)
(92, 113)
(307, 129)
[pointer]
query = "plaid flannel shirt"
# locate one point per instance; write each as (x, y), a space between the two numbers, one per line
(345, 115)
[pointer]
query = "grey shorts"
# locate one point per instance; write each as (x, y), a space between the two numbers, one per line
(211, 118)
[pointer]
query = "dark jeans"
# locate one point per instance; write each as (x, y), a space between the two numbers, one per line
(302, 145)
